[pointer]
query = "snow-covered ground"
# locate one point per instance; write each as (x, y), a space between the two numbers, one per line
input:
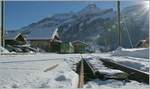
(115, 84)
(28, 71)
(137, 58)
(3, 50)
(49, 70)
(134, 52)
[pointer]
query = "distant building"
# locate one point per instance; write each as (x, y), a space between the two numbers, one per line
(47, 39)
(79, 46)
(143, 43)
(14, 38)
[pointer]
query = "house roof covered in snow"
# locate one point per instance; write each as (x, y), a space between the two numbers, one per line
(12, 35)
(79, 42)
(42, 34)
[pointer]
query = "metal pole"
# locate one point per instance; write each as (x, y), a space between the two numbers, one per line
(119, 28)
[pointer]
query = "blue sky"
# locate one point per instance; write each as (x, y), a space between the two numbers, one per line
(22, 13)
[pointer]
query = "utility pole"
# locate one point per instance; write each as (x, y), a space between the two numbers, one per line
(119, 27)
(2, 24)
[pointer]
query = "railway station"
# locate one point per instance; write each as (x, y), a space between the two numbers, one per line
(74, 44)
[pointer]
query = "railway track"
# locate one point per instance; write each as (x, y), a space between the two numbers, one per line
(134, 74)
(81, 75)
(88, 72)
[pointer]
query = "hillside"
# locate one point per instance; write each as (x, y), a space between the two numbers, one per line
(96, 26)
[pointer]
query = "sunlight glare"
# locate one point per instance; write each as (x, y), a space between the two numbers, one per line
(146, 4)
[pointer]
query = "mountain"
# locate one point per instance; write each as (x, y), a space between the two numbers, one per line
(96, 26)
(88, 25)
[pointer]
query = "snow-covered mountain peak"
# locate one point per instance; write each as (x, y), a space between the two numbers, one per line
(91, 8)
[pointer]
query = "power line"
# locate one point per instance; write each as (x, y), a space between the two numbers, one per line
(129, 36)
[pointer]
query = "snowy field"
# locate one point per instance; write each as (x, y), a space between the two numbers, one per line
(49, 70)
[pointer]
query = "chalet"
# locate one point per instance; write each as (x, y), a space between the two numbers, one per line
(79, 46)
(14, 38)
(46, 39)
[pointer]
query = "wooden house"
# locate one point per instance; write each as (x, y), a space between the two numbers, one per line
(46, 39)
(14, 38)
(66, 47)
(79, 46)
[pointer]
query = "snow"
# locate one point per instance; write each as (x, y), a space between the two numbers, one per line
(92, 8)
(3, 50)
(137, 58)
(42, 33)
(27, 71)
(11, 35)
(107, 72)
(134, 52)
(115, 84)
(110, 71)
(109, 14)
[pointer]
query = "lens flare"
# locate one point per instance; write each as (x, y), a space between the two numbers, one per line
(146, 4)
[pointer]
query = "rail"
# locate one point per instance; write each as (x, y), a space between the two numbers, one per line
(81, 75)
(134, 74)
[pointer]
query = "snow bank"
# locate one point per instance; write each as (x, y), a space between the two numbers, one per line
(65, 78)
(27, 71)
(134, 62)
(115, 84)
(3, 50)
(59, 78)
(134, 52)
